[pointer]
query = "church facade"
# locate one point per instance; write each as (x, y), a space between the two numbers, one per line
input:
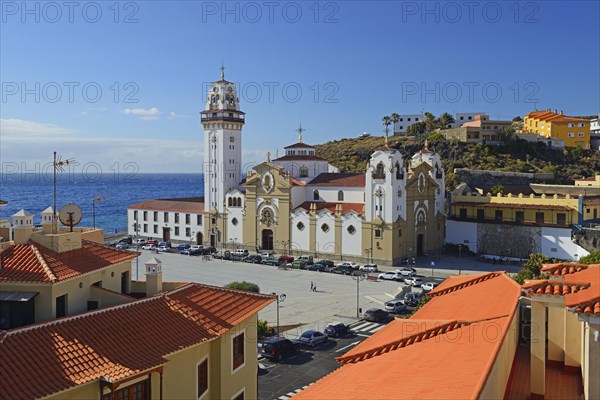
(300, 204)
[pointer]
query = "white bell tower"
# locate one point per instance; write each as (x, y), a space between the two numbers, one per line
(222, 121)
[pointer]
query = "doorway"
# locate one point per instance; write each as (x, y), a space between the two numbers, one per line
(213, 240)
(166, 235)
(420, 249)
(125, 282)
(199, 238)
(267, 239)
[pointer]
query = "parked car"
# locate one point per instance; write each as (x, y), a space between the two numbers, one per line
(139, 242)
(270, 260)
(327, 263)
(164, 249)
(407, 271)
(390, 276)
(223, 254)
(343, 269)
(313, 338)
(286, 259)
(211, 249)
(122, 245)
(316, 267)
(183, 246)
(412, 299)
(414, 281)
(376, 315)
(278, 348)
(252, 259)
(164, 244)
(154, 242)
(329, 268)
(149, 246)
(352, 265)
(266, 254)
(126, 239)
(395, 306)
(299, 264)
(429, 286)
(336, 329)
(307, 259)
(240, 253)
(369, 268)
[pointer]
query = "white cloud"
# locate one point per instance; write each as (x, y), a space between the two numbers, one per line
(173, 115)
(141, 112)
(149, 117)
(20, 127)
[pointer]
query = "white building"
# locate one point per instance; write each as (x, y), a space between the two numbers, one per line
(406, 120)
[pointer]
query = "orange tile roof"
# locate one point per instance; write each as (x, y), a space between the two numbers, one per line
(339, 179)
(117, 342)
(553, 117)
(511, 205)
(184, 204)
(563, 268)
(33, 262)
(327, 205)
(445, 350)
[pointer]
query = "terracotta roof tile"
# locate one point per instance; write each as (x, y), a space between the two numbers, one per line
(117, 342)
(184, 204)
(339, 179)
(35, 263)
(563, 268)
(326, 205)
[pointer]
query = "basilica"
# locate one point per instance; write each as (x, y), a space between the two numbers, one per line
(299, 203)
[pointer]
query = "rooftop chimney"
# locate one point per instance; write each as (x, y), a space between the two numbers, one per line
(153, 276)
(22, 227)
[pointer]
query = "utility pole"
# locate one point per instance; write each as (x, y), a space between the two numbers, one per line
(280, 298)
(358, 278)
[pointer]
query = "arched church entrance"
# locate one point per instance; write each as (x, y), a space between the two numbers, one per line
(420, 245)
(267, 239)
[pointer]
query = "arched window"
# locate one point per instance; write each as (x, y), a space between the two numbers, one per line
(380, 171)
(303, 172)
(341, 195)
(316, 195)
(399, 174)
(229, 202)
(239, 201)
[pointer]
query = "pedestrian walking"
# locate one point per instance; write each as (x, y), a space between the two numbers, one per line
(312, 285)
(315, 287)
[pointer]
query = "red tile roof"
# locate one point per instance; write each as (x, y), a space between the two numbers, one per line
(510, 205)
(35, 263)
(299, 158)
(553, 117)
(299, 146)
(322, 205)
(184, 204)
(443, 351)
(117, 342)
(563, 268)
(339, 179)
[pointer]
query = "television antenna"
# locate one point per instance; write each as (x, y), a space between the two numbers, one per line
(58, 165)
(70, 215)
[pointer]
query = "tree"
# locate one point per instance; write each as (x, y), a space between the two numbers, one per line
(497, 189)
(416, 129)
(429, 122)
(507, 134)
(517, 119)
(395, 117)
(445, 120)
(592, 258)
(387, 121)
(532, 268)
(243, 285)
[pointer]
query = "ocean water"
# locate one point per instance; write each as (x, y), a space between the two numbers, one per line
(34, 193)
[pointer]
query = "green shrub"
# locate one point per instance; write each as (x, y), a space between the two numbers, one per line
(246, 286)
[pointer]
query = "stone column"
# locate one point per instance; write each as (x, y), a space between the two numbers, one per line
(538, 349)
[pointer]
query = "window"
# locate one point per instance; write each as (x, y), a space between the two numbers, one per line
(238, 351)
(377, 233)
(135, 215)
(145, 215)
(561, 219)
(581, 134)
(138, 391)
(166, 217)
(480, 214)
(234, 221)
(300, 226)
(351, 229)
(155, 229)
(239, 202)
(213, 220)
(188, 232)
(571, 125)
(571, 134)
(176, 218)
(229, 202)
(187, 219)
(315, 195)
(199, 219)
(202, 376)
(325, 228)
(61, 306)
(176, 231)
(463, 213)
(498, 215)
(379, 171)
(341, 195)
(155, 216)
(539, 217)
(145, 228)
(520, 216)
(303, 172)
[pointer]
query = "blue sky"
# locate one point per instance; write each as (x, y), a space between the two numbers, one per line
(352, 61)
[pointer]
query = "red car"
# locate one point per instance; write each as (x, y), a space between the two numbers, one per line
(154, 242)
(286, 259)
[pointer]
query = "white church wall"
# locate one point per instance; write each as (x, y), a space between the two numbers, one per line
(325, 239)
(461, 232)
(300, 237)
(351, 242)
(330, 194)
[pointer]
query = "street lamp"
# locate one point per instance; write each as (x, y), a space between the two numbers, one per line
(280, 298)
(369, 252)
(358, 278)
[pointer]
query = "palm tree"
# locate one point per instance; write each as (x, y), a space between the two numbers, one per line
(387, 121)
(429, 122)
(445, 120)
(395, 119)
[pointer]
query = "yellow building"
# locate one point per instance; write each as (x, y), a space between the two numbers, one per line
(575, 132)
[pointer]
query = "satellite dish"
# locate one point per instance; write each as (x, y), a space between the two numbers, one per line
(70, 215)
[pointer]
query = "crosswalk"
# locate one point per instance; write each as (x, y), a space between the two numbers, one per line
(290, 394)
(363, 328)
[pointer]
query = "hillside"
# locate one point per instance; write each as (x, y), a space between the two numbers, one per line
(352, 155)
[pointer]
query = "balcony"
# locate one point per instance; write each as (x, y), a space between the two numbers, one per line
(380, 175)
(208, 116)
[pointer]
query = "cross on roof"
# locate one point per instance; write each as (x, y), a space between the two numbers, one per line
(268, 156)
(222, 72)
(300, 130)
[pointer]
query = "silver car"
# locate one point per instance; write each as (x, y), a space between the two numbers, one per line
(395, 306)
(313, 338)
